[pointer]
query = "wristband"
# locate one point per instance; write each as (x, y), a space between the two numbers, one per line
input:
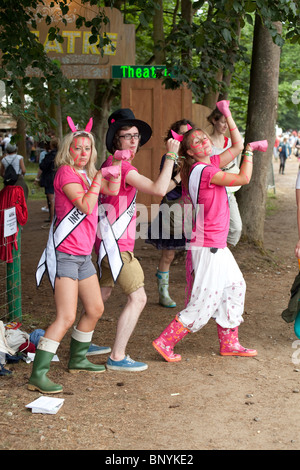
(172, 156)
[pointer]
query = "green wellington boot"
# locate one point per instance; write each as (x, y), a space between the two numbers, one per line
(78, 349)
(163, 289)
(41, 365)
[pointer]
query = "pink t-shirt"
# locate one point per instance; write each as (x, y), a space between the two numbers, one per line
(82, 239)
(214, 203)
(116, 205)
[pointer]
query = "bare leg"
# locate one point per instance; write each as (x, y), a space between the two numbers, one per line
(90, 296)
(166, 259)
(127, 322)
(66, 294)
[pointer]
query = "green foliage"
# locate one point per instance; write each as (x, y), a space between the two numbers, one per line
(20, 50)
(195, 52)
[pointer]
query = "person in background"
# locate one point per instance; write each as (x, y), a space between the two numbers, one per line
(17, 161)
(47, 178)
(168, 241)
(283, 154)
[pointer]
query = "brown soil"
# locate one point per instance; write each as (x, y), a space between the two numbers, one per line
(204, 402)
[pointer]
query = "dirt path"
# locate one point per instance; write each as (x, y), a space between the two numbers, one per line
(206, 401)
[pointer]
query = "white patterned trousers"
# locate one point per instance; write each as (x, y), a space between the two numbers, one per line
(218, 290)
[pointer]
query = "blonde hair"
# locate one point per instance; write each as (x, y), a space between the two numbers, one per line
(64, 157)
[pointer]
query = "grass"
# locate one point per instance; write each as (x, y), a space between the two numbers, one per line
(35, 191)
(271, 203)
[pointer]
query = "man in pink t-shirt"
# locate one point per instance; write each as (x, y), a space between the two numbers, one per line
(128, 134)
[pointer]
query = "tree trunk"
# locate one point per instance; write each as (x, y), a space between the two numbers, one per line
(261, 120)
(102, 93)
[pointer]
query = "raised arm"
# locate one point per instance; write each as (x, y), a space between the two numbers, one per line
(160, 186)
(222, 178)
(237, 142)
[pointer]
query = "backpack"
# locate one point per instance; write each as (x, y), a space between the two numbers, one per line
(10, 174)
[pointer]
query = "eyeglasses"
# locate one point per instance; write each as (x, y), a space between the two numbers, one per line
(130, 136)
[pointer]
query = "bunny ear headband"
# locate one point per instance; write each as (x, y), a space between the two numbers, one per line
(179, 137)
(73, 128)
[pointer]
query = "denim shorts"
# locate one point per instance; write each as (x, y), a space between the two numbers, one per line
(74, 266)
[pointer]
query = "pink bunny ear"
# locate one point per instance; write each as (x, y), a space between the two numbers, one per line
(189, 127)
(71, 124)
(89, 125)
(176, 136)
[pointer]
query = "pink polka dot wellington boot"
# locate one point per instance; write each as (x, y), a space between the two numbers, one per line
(165, 343)
(229, 343)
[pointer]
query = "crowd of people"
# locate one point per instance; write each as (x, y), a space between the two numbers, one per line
(96, 209)
(287, 146)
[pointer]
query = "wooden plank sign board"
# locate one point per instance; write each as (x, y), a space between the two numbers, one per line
(151, 102)
(76, 56)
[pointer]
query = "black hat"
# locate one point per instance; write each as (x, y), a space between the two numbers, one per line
(125, 117)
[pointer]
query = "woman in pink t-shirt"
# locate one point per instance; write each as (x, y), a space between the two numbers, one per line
(218, 286)
(77, 186)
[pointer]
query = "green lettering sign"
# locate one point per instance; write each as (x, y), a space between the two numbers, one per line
(138, 71)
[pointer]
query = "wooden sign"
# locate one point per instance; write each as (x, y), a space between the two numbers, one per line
(76, 56)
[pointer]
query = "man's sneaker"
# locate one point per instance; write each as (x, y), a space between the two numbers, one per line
(127, 364)
(94, 350)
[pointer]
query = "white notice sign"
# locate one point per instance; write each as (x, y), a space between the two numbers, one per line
(10, 222)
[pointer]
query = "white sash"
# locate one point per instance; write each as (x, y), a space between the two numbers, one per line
(63, 230)
(110, 234)
(194, 186)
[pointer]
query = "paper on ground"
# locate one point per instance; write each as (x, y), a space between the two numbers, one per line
(46, 405)
(30, 358)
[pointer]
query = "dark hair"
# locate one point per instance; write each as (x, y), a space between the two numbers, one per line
(176, 127)
(54, 143)
(116, 140)
(214, 115)
(187, 160)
